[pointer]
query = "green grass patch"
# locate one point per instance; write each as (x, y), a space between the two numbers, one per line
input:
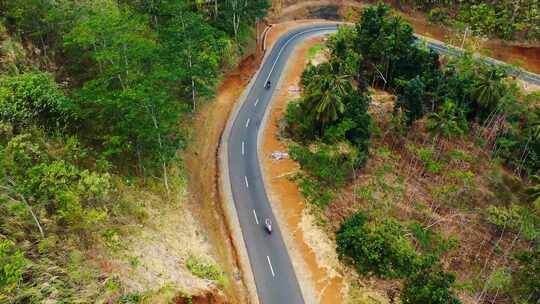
(206, 270)
(314, 50)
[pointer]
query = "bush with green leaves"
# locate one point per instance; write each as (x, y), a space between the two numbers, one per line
(49, 188)
(330, 165)
(360, 129)
(378, 247)
(35, 99)
(205, 270)
(449, 121)
(428, 157)
(525, 283)
(411, 100)
(499, 280)
(508, 20)
(12, 268)
(314, 191)
(515, 218)
(299, 127)
(438, 14)
(519, 144)
(430, 242)
(533, 192)
(429, 286)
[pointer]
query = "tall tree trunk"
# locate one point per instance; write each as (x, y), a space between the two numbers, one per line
(124, 51)
(190, 63)
(34, 216)
(160, 143)
(193, 88)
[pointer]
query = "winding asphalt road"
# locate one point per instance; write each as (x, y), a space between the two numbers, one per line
(445, 49)
(274, 275)
(272, 268)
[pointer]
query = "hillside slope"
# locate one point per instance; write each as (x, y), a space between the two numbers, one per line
(96, 102)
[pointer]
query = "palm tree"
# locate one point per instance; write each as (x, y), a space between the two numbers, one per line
(448, 121)
(325, 92)
(489, 90)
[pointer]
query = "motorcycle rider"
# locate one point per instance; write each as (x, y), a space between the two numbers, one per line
(268, 226)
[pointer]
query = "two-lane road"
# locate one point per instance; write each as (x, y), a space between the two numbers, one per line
(272, 268)
(274, 275)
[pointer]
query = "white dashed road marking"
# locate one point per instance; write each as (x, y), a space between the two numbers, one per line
(245, 179)
(247, 122)
(270, 264)
(243, 148)
(255, 215)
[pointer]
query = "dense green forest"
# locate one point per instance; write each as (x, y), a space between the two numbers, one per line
(505, 19)
(94, 96)
(456, 129)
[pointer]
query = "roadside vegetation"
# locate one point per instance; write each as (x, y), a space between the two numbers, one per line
(504, 19)
(95, 98)
(423, 167)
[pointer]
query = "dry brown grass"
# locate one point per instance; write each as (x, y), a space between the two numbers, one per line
(154, 236)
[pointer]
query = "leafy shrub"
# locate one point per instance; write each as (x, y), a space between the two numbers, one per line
(533, 193)
(300, 127)
(430, 285)
(428, 158)
(411, 99)
(205, 270)
(337, 132)
(515, 218)
(482, 17)
(330, 166)
(377, 247)
(431, 242)
(12, 267)
(314, 191)
(499, 279)
(438, 14)
(503, 218)
(314, 50)
(35, 98)
(525, 281)
(61, 191)
(359, 133)
(449, 121)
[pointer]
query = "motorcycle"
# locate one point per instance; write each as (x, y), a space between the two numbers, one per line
(268, 226)
(267, 85)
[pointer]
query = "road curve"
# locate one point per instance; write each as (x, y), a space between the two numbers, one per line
(275, 279)
(274, 275)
